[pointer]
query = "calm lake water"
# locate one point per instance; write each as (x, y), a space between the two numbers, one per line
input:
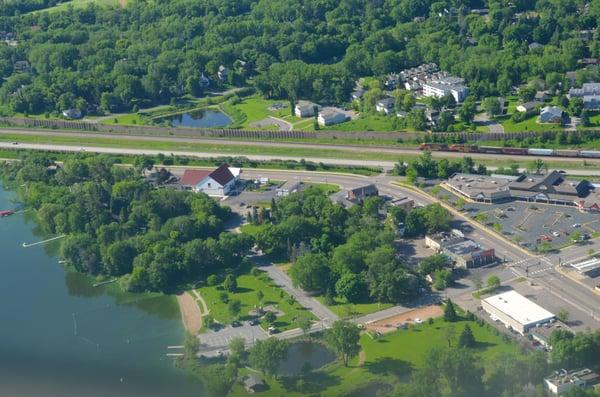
(301, 353)
(59, 336)
(199, 119)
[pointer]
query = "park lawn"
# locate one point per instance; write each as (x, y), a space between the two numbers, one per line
(326, 188)
(80, 4)
(344, 309)
(248, 286)
(391, 358)
(252, 109)
(125, 119)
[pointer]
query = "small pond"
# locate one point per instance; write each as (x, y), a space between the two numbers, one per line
(301, 353)
(199, 119)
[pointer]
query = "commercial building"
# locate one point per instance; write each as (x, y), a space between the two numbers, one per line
(562, 381)
(219, 182)
(516, 312)
(359, 194)
(463, 252)
(405, 203)
(543, 333)
(589, 268)
(552, 188)
(482, 188)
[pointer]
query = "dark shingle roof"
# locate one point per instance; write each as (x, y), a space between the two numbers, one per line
(222, 175)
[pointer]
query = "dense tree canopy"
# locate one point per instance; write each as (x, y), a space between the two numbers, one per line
(117, 225)
(94, 55)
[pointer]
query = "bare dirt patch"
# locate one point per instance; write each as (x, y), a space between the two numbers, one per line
(389, 324)
(190, 313)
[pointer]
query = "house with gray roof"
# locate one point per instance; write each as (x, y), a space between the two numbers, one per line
(590, 93)
(551, 114)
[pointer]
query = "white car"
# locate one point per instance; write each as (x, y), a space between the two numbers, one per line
(418, 321)
(555, 234)
(575, 225)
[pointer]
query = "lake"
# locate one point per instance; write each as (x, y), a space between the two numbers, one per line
(60, 337)
(304, 353)
(199, 119)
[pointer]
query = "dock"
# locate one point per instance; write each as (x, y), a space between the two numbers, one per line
(25, 245)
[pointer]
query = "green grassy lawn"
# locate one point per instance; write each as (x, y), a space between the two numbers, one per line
(252, 109)
(251, 229)
(529, 124)
(392, 357)
(126, 119)
(344, 309)
(80, 4)
(326, 188)
(366, 122)
(248, 286)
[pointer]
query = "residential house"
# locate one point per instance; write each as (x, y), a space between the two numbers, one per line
(535, 46)
(220, 182)
(562, 381)
(306, 109)
(72, 113)
(589, 93)
(528, 107)
(542, 96)
(223, 73)
(359, 194)
(330, 116)
(385, 105)
(254, 383)
(22, 66)
(357, 94)
(551, 114)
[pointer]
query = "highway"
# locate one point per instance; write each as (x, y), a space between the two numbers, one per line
(357, 148)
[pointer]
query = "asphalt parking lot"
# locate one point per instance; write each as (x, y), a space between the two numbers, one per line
(536, 222)
(212, 340)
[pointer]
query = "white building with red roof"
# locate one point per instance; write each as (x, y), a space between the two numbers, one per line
(219, 182)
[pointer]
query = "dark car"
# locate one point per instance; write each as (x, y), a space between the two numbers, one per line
(254, 321)
(236, 324)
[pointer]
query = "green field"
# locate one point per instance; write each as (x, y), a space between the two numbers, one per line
(347, 310)
(246, 292)
(80, 4)
(390, 359)
(253, 109)
(326, 188)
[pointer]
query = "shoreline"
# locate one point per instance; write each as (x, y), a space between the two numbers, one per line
(191, 316)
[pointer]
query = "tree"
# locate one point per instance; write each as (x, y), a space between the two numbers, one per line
(311, 272)
(230, 283)
(267, 354)
(466, 338)
(536, 166)
(260, 296)
(270, 317)
(234, 307)
(304, 324)
(562, 315)
(468, 110)
(450, 312)
(343, 337)
(449, 333)
(492, 106)
(237, 348)
(350, 286)
(493, 282)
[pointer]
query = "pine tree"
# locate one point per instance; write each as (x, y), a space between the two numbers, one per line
(466, 338)
(450, 312)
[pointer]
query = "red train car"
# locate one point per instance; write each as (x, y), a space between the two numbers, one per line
(514, 150)
(433, 146)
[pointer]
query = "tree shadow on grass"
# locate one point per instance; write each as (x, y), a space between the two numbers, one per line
(242, 290)
(315, 382)
(483, 345)
(390, 366)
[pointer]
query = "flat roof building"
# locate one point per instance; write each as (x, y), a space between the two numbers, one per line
(480, 187)
(562, 381)
(590, 267)
(516, 312)
(463, 252)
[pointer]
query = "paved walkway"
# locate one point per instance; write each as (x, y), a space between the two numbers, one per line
(321, 311)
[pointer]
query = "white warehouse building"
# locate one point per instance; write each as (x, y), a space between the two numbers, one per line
(516, 312)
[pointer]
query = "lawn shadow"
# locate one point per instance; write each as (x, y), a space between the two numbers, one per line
(315, 382)
(483, 345)
(242, 290)
(390, 366)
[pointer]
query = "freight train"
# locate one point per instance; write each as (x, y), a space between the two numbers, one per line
(442, 147)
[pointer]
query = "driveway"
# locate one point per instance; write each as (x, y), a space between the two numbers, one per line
(494, 126)
(280, 278)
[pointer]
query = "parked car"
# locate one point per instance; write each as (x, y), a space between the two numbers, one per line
(575, 225)
(418, 321)
(272, 330)
(555, 234)
(236, 324)
(254, 321)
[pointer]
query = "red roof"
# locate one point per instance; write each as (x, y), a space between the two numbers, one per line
(193, 177)
(222, 175)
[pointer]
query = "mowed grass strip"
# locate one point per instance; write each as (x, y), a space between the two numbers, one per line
(246, 293)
